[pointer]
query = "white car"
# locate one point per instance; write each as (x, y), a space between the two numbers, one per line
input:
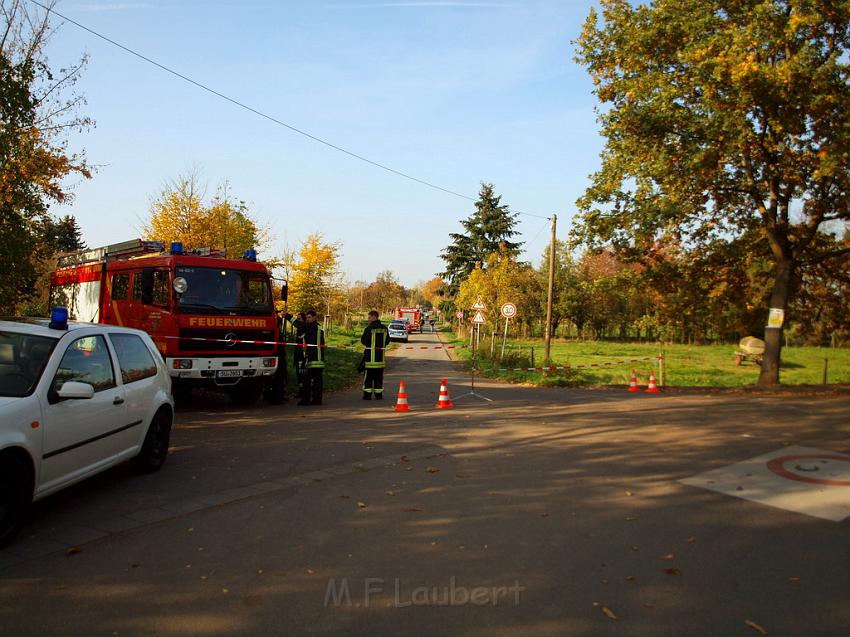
(397, 331)
(75, 399)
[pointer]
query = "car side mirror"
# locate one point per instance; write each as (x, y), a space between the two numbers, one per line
(75, 389)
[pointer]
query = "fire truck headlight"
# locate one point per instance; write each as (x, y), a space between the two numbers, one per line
(180, 285)
(183, 363)
(269, 362)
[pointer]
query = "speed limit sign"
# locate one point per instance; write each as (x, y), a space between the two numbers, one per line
(459, 314)
(509, 310)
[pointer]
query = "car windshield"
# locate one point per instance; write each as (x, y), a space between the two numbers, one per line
(216, 290)
(22, 361)
(397, 326)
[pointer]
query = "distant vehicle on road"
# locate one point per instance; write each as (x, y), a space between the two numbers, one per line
(398, 330)
(412, 314)
(75, 399)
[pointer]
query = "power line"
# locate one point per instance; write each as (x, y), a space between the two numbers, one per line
(266, 116)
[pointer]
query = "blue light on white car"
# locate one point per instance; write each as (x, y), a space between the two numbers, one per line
(59, 318)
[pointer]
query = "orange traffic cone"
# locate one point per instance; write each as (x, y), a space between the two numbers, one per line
(444, 402)
(653, 388)
(633, 386)
(401, 401)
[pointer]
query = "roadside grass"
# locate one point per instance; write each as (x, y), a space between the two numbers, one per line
(684, 365)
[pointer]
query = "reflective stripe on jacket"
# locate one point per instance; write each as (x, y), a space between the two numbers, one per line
(375, 338)
(312, 341)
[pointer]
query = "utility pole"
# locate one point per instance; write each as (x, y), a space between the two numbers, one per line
(548, 340)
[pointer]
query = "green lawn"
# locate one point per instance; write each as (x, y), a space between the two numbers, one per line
(685, 365)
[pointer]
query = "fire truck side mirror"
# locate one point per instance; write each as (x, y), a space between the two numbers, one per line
(147, 286)
(284, 291)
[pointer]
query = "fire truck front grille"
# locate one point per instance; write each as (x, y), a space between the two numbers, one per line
(225, 340)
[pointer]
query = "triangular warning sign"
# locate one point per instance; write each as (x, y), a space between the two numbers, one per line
(478, 304)
(478, 318)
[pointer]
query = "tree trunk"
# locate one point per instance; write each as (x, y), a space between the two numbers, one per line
(769, 376)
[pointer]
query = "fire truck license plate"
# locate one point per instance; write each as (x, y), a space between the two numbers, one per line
(228, 373)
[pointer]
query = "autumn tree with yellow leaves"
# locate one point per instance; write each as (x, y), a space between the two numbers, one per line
(502, 280)
(316, 281)
(179, 213)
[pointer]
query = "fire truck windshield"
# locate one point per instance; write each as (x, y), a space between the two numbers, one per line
(217, 290)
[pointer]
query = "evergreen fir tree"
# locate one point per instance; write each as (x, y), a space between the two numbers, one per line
(64, 235)
(487, 230)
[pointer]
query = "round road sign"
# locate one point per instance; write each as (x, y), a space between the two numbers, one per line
(459, 314)
(509, 310)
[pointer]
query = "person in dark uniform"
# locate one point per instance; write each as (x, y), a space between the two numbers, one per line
(375, 339)
(276, 387)
(311, 343)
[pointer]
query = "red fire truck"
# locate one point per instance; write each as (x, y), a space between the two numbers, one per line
(198, 307)
(413, 315)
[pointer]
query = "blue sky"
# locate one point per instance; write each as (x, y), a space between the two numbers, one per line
(452, 92)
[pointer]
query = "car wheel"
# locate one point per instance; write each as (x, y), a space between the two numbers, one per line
(155, 447)
(15, 496)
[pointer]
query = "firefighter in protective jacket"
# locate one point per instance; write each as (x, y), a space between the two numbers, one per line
(311, 342)
(376, 340)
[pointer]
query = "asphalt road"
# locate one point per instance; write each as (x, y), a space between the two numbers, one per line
(545, 512)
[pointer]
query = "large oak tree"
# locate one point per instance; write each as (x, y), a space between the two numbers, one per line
(722, 119)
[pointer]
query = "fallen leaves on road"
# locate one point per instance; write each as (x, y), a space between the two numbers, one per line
(544, 515)
(635, 547)
(361, 505)
(672, 571)
(433, 469)
(405, 459)
(629, 493)
(630, 578)
(389, 492)
(345, 497)
(794, 580)
(310, 571)
(648, 605)
(73, 550)
(755, 626)
(609, 613)
(629, 518)
(413, 510)
(669, 556)
(691, 540)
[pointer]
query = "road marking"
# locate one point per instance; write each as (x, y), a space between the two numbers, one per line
(823, 463)
(799, 479)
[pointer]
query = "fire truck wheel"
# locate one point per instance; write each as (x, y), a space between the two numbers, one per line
(15, 496)
(247, 392)
(155, 448)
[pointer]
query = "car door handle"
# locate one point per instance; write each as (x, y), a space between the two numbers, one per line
(118, 401)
